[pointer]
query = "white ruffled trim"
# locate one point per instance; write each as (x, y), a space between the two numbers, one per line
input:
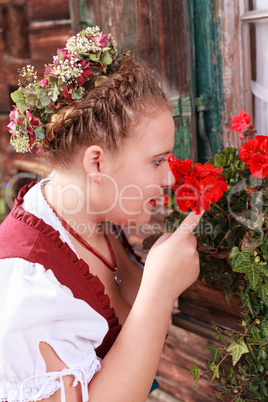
(43, 385)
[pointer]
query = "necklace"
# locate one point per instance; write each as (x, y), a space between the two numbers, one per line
(112, 266)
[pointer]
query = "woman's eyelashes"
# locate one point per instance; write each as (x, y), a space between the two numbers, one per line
(158, 162)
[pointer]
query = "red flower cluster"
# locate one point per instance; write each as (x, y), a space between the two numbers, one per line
(254, 153)
(199, 184)
(240, 123)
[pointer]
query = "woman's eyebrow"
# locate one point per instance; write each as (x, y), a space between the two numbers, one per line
(162, 153)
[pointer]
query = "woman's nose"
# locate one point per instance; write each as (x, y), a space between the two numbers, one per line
(168, 180)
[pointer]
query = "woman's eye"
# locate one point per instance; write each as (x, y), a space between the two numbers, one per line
(158, 162)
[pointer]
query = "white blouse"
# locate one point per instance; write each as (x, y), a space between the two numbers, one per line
(34, 308)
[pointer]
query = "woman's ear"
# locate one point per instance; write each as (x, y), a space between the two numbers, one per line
(92, 162)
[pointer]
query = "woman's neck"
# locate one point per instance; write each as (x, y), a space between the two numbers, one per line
(68, 196)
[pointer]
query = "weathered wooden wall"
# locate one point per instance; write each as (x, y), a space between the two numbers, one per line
(158, 32)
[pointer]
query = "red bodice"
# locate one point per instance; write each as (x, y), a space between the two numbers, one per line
(23, 235)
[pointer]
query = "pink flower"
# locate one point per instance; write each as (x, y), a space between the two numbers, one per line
(19, 121)
(43, 83)
(87, 72)
(101, 40)
(35, 122)
(62, 55)
(11, 126)
(240, 121)
(12, 114)
(66, 95)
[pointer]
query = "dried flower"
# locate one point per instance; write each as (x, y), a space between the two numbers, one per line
(89, 53)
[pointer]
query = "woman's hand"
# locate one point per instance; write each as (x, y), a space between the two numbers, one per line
(172, 264)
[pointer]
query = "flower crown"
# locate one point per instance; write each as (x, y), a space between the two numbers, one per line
(90, 53)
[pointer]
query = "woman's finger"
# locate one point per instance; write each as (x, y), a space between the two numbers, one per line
(189, 224)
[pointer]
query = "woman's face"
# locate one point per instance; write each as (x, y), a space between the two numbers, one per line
(137, 175)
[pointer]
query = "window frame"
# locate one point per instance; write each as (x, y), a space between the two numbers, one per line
(246, 18)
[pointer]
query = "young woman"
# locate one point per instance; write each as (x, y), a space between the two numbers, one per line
(80, 319)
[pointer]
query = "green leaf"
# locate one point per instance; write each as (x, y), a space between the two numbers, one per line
(215, 370)
(247, 303)
(94, 56)
(106, 60)
(237, 399)
(264, 328)
(18, 95)
(220, 338)
(234, 252)
(44, 99)
(252, 270)
(54, 93)
(262, 290)
(195, 372)
(239, 257)
(22, 105)
(31, 99)
(237, 350)
(77, 95)
(40, 132)
(216, 353)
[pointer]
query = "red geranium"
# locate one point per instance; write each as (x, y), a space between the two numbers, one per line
(254, 153)
(199, 185)
(240, 121)
(166, 198)
(206, 170)
(179, 168)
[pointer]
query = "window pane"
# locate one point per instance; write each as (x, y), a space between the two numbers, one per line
(259, 68)
(258, 4)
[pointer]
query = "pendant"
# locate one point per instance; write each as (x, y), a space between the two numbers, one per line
(116, 277)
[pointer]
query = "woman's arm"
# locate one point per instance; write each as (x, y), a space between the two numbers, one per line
(129, 368)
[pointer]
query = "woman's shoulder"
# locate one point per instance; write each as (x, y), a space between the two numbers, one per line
(31, 296)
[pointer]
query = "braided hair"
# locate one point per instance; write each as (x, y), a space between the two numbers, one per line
(105, 114)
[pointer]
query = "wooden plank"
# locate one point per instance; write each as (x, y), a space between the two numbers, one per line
(255, 16)
(44, 41)
(48, 10)
(183, 349)
(15, 30)
(207, 303)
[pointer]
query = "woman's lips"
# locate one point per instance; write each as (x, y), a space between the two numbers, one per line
(152, 202)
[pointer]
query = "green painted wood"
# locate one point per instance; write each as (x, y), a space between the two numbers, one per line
(206, 37)
(78, 13)
(182, 114)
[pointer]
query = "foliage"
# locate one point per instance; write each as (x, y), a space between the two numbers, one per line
(232, 241)
(234, 253)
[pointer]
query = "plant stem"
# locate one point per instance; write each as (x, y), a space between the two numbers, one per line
(220, 209)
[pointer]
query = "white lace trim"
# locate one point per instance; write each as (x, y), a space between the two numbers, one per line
(43, 385)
